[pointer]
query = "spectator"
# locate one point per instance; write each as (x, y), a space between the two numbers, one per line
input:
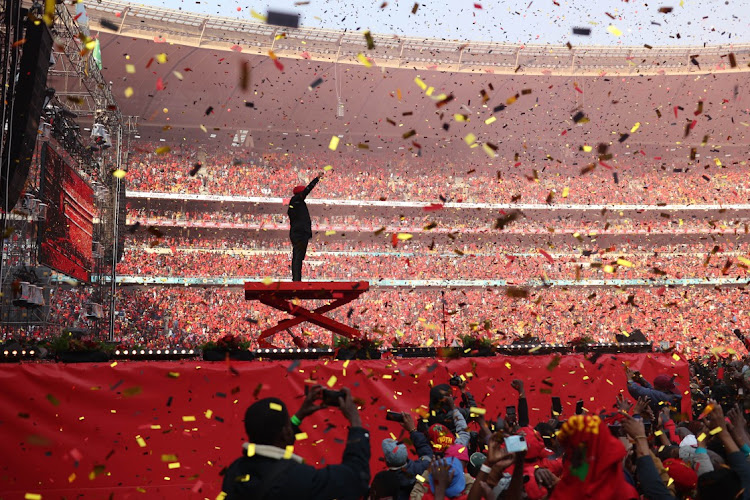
(663, 392)
(268, 468)
(397, 458)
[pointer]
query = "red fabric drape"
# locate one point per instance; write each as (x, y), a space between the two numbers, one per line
(166, 429)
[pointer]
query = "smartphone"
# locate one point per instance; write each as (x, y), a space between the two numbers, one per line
(579, 407)
(394, 416)
(331, 398)
(556, 407)
(515, 444)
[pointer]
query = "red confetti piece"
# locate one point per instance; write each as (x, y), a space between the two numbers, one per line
(278, 65)
(236, 48)
(564, 132)
(675, 111)
(604, 165)
(150, 62)
(547, 256)
(159, 84)
(306, 55)
(692, 125)
(77, 16)
(432, 207)
(394, 240)
(477, 6)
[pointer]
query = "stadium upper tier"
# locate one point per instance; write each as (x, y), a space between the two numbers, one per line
(210, 81)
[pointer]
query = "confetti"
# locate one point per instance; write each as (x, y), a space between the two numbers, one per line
(331, 381)
(364, 60)
(582, 31)
(162, 150)
(369, 40)
(282, 19)
(614, 30)
(414, 9)
(334, 143)
(315, 84)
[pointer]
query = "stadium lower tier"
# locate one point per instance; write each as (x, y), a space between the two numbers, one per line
(696, 320)
(513, 266)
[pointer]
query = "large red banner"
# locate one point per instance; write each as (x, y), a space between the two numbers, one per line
(167, 429)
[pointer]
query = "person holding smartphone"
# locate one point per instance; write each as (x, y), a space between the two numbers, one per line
(396, 456)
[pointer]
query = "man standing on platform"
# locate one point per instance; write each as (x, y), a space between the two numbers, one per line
(300, 226)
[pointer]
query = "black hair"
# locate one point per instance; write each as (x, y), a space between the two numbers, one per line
(720, 483)
(265, 419)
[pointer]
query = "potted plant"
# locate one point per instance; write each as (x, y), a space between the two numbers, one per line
(362, 348)
(73, 350)
(475, 345)
(228, 347)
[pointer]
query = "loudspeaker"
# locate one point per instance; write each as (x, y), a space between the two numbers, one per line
(635, 336)
(27, 109)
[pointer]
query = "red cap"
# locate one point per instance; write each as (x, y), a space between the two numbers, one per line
(685, 478)
(664, 383)
(440, 437)
(298, 189)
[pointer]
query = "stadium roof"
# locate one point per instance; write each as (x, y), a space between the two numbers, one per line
(653, 105)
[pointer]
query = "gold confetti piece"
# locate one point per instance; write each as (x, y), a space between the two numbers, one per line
(534, 349)
(717, 161)
(490, 120)
(658, 433)
(130, 68)
(422, 85)
(327, 168)
(470, 138)
(507, 365)
(141, 442)
(420, 478)
(635, 127)
(177, 75)
(363, 59)
(487, 149)
(208, 413)
(300, 436)
(129, 92)
(188, 418)
(625, 263)
(613, 29)
(715, 431)
(388, 377)
(72, 477)
(275, 406)
(251, 449)
(222, 495)
(459, 117)
(609, 382)
(669, 483)
(258, 16)
(289, 451)
(675, 357)
(744, 260)
(330, 232)
(429, 342)
(586, 377)
(331, 381)
(702, 436)
(204, 129)
(477, 411)
(32, 496)
(430, 91)
(404, 236)
(161, 150)
(173, 374)
(334, 143)
(566, 191)
(587, 148)
(161, 58)
(174, 465)
(267, 281)
(608, 269)
(167, 457)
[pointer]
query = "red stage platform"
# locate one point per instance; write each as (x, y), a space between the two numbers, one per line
(280, 294)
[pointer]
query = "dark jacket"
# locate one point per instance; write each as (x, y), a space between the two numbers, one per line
(243, 479)
(300, 225)
(658, 398)
(408, 473)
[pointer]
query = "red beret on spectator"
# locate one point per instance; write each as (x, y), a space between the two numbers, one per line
(685, 478)
(440, 437)
(298, 189)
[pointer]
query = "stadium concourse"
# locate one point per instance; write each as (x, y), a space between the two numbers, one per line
(608, 185)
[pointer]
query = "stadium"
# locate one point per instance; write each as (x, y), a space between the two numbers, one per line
(484, 209)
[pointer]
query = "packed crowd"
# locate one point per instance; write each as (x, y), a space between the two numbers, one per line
(375, 265)
(698, 321)
(487, 219)
(645, 445)
(371, 177)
